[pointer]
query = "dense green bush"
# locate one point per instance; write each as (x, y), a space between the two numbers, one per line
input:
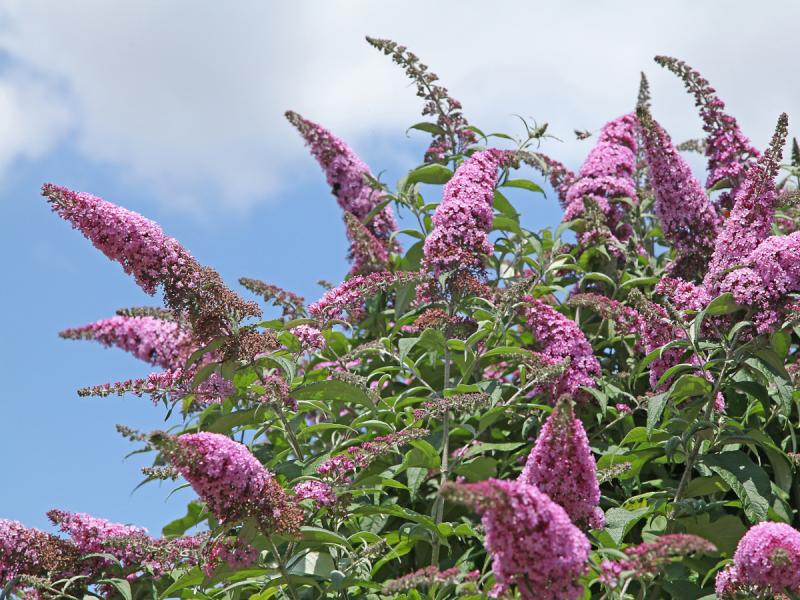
(601, 410)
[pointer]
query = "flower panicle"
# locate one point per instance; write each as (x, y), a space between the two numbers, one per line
(156, 341)
(349, 177)
(688, 220)
(729, 152)
(646, 559)
(753, 211)
(352, 293)
(458, 403)
(453, 134)
(292, 305)
(367, 253)
(562, 466)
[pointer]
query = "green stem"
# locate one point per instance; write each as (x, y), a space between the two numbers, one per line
(282, 568)
(439, 506)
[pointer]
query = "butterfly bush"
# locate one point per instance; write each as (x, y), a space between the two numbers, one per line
(604, 409)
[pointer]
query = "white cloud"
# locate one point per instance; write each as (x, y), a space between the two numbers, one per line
(188, 97)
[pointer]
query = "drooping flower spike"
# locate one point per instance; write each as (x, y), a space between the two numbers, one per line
(562, 466)
(730, 154)
(158, 342)
(347, 175)
(688, 220)
(367, 253)
(232, 482)
(292, 305)
(154, 260)
(533, 544)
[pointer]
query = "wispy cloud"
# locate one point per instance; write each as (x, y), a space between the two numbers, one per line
(188, 97)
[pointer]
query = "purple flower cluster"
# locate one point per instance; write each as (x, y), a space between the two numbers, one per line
(367, 253)
(464, 217)
(729, 152)
(559, 338)
(766, 563)
(158, 342)
(232, 552)
(647, 558)
(352, 293)
(752, 214)
(347, 175)
(232, 482)
(135, 242)
(531, 539)
(562, 466)
(319, 492)
(688, 220)
(29, 551)
(92, 534)
(339, 468)
(310, 337)
(606, 174)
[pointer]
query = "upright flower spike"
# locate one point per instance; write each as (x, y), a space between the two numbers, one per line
(462, 221)
(452, 133)
(753, 211)
(730, 154)
(352, 294)
(766, 563)
(347, 175)
(607, 174)
(560, 339)
(154, 260)
(688, 221)
(232, 481)
(533, 544)
(562, 466)
(158, 342)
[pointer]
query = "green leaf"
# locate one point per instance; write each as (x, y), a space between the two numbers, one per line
(724, 532)
(655, 408)
(433, 173)
(723, 305)
(191, 578)
(748, 481)
(122, 585)
(331, 390)
(619, 521)
(690, 385)
(427, 127)
(324, 536)
(525, 184)
(312, 563)
(195, 514)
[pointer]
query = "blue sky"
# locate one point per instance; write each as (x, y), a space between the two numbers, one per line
(129, 105)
